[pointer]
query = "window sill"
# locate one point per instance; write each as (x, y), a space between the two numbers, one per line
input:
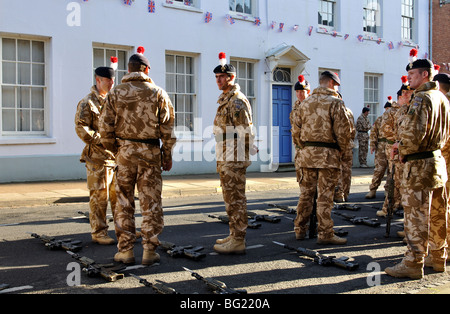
(242, 17)
(328, 31)
(27, 140)
(182, 7)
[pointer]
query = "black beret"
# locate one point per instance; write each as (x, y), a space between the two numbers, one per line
(442, 78)
(105, 72)
(302, 84)
(365, 109)
(420, 64)
(332, 75)
(227, 69)
(139, 58)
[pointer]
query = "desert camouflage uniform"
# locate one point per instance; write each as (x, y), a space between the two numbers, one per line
(345, 178)
(324, 130)
(388, 126)
(99, 162)
(378, 144)
(233, 130)
(425, 128)
(363, 127)
(446, 155)
(295, 136)
(137, 114)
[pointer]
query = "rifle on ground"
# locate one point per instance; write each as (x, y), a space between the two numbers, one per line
(271, 219)
(224, 219)
(390, 196)
(183, 251)
(371, 222)
(53, 245)
(312, 230)
(287, 209)
(93, 269)
(217, 286)
(159, 287)
(323, 260)
(109, 217)
(347, 207)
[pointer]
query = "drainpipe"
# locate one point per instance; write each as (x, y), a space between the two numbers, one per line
(430, 35)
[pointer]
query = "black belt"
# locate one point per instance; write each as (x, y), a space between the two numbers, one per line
(322, 144)
(363, 131)
(151, 141)
(224, 136)
(423, 155)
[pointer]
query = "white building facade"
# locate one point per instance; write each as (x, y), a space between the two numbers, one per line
(49, 49)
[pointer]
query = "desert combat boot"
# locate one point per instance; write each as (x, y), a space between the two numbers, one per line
(103, 239)
(149, 257)
(126, 257)
(403, 271)
(371, 195)
(224, 240)
(333, 240)
(232, 246)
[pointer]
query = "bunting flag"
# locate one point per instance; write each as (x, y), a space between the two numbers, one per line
(391, 45)
(208, 17)
(188, 2)
(169, 1)
(272, 25)
(257, 21)
(295, 28)
(129, 2)
(281, 27)
(151, 6)
(310, 29)
(346, 36)
(334, 34)
(360, 38)
(379, 41)
(229, 19)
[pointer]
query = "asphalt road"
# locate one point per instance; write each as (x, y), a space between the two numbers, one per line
(265, 269)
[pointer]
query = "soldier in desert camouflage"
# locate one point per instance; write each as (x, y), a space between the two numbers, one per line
(423, 132)
(363, 127)
(138, 114)
(324, 130)
(233, 130)
(99, 161)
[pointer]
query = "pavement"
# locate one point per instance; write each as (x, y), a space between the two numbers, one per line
(46, 193)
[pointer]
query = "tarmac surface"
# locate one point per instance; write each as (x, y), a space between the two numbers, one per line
(42, 193)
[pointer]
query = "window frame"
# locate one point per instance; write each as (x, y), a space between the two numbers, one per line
(410, 29)
(120, 73)
(374, 105)
(377, 12)
(254, 9)
(334, 14)
(21, 136)
(239, 79)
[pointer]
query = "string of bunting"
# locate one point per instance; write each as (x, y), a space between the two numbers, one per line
(208, 17)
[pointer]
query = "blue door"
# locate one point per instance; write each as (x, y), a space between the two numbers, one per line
(282, 106)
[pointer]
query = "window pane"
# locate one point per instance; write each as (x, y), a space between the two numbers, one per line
(181, 84)
(38, 120)
(8, 97)
(38, 74)
(23, 120)
(170, 83)
(37, 98)
(170, 64)
(9, 72)
(38, 51)
(240, 6)
(190, 84)
(232, 5)
(123, 62)
(180, 64)
(24, 51)
(23, 97)
(179, 103)
(9, 49)
(24, 71)
(189, 66)
(98, 57)
(8, 120)
(248, 7)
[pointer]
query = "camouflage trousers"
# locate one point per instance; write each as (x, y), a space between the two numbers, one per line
(426, 216)
(345, 178)
(100, 182)
(398, 175)
(233, 181)
(135, 168)
(381, 165)
(363, 140)
(323, 181)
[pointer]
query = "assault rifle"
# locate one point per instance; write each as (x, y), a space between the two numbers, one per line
(109, 217)
(53, 245)
(92, 269)
(217, 286)
(371, 222)
(287, 209)
(347, 207)
(158, 287)
(312, 229)
(323, 260)
(272, 219)
(224, 219)
(183, 251)
(390, 196)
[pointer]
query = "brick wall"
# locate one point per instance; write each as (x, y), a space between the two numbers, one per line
(441, 35)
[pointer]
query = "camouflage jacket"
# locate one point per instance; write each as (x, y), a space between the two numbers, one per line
(363, 126)
(446, 148)
(295, 132)
(388, 123)
(322, 119)
(86, 127)
(375, 133)
(137, 109)
(233, 127)
(425, 128)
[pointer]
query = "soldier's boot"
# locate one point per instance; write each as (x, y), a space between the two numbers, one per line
(401, 270)
(401, 234)
(149, 257)
(126, 257)
(332, 240)
(103, 239)
(437, 265)
(372, 194)
(381, 213)
(233, 246)
(299, 235)
(224, 240)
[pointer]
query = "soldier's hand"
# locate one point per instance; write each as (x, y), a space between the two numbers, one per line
(254, 150)
(167, 165)
(394, 150)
